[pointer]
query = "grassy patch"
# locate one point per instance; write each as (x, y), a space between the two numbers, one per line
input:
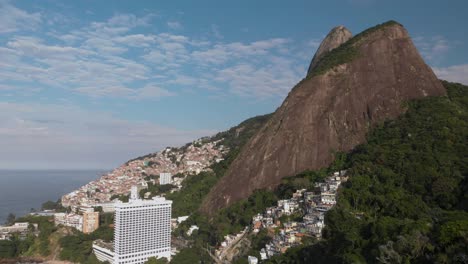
(346, 52)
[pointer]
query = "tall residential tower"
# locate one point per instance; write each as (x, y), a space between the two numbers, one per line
(142, 230)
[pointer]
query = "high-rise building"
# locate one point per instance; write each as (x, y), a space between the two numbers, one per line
(165, 178)
(142, 230)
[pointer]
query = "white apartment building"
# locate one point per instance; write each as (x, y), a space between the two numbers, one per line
(165, 178)
(23, 227)
(142, 230)
(108, 207)
(328, 198)
(72, 220)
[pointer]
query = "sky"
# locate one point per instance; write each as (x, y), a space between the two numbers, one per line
(91, 84)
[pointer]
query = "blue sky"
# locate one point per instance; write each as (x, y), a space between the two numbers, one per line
(91, 84)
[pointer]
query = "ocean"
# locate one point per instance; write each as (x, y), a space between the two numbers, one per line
(21, 190)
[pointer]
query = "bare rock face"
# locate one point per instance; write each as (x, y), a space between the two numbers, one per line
(337, 36)
(329, 112)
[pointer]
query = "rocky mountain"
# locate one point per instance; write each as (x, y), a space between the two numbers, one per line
(348, 90)
(337, 36)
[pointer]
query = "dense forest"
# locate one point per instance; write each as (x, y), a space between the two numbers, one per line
(407, 197)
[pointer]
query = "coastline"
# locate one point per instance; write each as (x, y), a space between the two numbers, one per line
(23, 190)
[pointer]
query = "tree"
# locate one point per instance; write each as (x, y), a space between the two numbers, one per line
(154, 260)
(10, 219)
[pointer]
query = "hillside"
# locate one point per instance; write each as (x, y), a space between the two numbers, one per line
(194, 158)
(406, 200)
(350, 90)
(188, 200)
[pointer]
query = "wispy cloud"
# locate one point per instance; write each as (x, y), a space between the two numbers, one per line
(114, 58)
(13, 19)
(38, 133)
(174, 25)
(456, 73)
(149, 91)
(216, 32)
(433, 48)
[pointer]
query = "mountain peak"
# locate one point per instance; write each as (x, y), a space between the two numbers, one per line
(351, 89)
(337, 36)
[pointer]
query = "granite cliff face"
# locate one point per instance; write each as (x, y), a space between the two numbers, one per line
(331, 110)
(337, 36)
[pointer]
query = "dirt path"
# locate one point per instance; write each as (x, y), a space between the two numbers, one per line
(232, 250)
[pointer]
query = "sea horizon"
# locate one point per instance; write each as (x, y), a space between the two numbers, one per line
(24, 189)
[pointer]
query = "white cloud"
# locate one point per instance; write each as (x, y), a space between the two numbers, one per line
(13, 19)
(221, 53)
(112, 58)
(174, 25)
(216, 32)
(129, 20)
(104, 45)
(149, 91)
(152, 91)
(111, 91)
(137, 40)
(455, 73)
(33, 47)
(53, 135)
(433, 48)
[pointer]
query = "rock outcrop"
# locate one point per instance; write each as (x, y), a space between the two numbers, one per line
(329, 111)
(337, 36)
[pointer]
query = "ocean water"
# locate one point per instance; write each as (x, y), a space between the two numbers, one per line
(21, 190)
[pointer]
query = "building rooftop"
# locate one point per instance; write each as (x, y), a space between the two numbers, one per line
(140, 202)
(103, 244)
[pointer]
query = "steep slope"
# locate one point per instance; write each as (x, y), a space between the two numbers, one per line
(409, 186)
(337, 36)
(351, 89)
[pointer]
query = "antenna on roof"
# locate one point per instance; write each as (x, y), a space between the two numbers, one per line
(134, 193)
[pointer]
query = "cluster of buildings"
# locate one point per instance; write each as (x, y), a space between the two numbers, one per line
(142, 229)
(193, 158)
(21, 228)
(311, 205)
(86, 221)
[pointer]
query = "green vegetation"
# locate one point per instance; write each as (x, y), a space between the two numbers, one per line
(346, 52)
(188, 199)
(239, 215)
(257, 242)
(407, 197)
(122, 197)
(236, 217)
(18, 245)
(406, 200)
(156, 189)
(51, 205)
(10, 219)
(154, 260)
(191, 255)
(77, 247)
